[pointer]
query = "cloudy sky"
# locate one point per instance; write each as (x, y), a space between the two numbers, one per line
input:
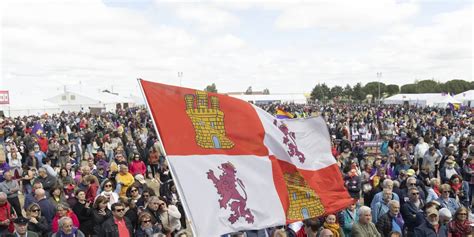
(285, 46)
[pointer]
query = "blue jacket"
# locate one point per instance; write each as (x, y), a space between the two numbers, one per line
(427, 230)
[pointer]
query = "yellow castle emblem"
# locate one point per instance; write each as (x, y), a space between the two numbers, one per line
(304, 202)
(208, 121)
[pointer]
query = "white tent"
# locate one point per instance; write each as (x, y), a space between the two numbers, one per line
(445, 101)
(279, 98)
(466, 98)
(425, 99)
(77, 101)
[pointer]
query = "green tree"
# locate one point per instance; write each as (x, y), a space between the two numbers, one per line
(266, 91)
(320, 92)
(348, 91)
(373, 89)
(428, 86)
(392, 89)
(358, 93)
(336, 91)
(408, 89)
(211, 88)
(456, 86)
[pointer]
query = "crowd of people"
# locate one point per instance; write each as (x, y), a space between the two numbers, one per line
(409, 170)
(82, 174)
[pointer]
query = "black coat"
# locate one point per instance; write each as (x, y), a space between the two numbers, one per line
(84, 215)
(110, 229)
(98, 220)
(427, 230)
(41, 228)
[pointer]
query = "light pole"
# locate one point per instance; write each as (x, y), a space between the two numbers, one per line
(180, 75)
(379, 75)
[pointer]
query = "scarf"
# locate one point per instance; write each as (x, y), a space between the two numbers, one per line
(456, 187)
(459, 229)
(334, 228)
(62, 234)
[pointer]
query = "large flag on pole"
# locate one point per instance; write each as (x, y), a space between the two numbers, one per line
(239, 168)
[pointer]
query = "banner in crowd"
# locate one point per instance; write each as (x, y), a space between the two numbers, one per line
(240, 168)
(4, 97)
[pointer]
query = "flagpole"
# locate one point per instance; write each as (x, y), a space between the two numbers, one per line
(173, 175)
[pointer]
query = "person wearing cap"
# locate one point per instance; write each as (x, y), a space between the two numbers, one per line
(446, 201)
(21, 228)
(431, 226)
(449, 169)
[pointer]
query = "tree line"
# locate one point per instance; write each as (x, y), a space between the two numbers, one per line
(359, 92)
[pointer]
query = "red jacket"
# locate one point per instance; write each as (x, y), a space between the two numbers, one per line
(91, 192)
(43, 144)
(137, 167)
(55, 224)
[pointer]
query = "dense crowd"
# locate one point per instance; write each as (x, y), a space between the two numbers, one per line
(81, 174)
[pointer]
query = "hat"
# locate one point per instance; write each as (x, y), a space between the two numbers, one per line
(410, 172)
(140, 178)
(451, 145)
(432, 211)
(450, 161)
(21, 220)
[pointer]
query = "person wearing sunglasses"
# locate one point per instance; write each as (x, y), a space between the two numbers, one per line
(37, 223)
(460, 225)
(412, 210)
(446, 201)
(146, 227)
(118, 225)
(108, 192)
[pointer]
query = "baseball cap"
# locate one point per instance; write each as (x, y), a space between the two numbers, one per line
(140, 178)
(432, 211)
(21, 220)
(411, 172)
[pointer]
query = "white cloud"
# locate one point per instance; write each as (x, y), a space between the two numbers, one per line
(54, 43)
(206, 17)
(344, 16)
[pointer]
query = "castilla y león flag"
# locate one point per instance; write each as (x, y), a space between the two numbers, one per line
(238, 167)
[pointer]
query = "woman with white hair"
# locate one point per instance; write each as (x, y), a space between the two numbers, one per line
(364, 227)
(66, 228)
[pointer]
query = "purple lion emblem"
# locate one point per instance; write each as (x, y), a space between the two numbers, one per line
(290, 141)
(226, 186)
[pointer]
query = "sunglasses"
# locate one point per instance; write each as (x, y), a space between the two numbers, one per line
(134, 190)
(108, 185)
(146, 221)
(462, 214)
(446, 192)
(415, 193)
(412, 184)
(35, 210)
(119, 210)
